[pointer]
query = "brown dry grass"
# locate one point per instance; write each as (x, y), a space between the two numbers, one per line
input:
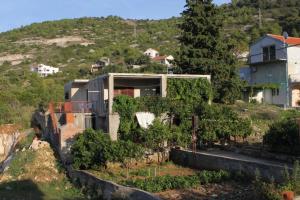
(9, 128)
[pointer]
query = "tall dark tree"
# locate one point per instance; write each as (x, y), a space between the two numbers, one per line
(204, 50)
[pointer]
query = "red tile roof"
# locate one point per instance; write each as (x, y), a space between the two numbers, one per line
(289, 40)
(160, 58)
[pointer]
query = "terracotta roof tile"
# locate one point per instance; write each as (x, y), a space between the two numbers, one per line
(160, 57)
(289, 40)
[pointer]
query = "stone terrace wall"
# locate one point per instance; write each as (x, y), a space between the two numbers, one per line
(230, 162)
(105, 189)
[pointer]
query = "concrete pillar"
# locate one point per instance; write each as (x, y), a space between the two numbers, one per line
(163, 86)
(110, 93)
(113, 126)
(113, 120)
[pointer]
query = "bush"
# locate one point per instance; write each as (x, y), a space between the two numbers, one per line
(283, 136)
(155, 137)
(93, 149)
(219, 123)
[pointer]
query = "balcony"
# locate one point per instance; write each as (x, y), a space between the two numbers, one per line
(73, 107)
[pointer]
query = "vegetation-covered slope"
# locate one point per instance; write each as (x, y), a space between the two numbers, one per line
(36, 174)
(74, 44)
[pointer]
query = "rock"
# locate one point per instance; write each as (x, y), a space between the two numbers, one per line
(38, 144)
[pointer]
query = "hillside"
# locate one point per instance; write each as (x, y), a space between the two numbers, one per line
(36, 174)
(74, 44)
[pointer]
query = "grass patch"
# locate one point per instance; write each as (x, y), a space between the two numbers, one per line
(18, 165)
(167, 182)
(36, 175)
(27, 190)
(26, 141)
(157, 178)
(119, 174)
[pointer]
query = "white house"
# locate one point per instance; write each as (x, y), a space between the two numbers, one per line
(44, 70)
(275, 61)
(152, 53)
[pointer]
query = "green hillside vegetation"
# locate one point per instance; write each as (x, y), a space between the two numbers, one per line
(114, 37)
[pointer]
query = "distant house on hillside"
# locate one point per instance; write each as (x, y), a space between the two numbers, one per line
(44, 70)
(164, 60)
(152, 53)
(99, 64)
(274, 70)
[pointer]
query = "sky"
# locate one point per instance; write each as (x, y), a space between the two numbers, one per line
(16, 13)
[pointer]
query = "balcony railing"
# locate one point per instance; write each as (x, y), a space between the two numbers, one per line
(73, 107)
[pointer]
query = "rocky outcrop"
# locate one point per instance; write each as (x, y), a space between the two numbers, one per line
(9, 136)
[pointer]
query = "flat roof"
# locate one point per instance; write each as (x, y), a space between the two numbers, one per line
(141, 75)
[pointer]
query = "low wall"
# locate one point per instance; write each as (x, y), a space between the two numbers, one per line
(105, 189)
(233, 163)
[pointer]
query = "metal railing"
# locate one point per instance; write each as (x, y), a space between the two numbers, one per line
(73, 107)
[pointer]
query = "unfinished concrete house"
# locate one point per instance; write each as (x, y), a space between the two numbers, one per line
(89, 103)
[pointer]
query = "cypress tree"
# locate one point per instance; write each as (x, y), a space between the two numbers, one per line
(204, 50)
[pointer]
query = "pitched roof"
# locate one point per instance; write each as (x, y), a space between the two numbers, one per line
(289, 40)
(160, 57)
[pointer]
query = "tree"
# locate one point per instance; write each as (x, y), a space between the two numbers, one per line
(156, 136)
(205, 51)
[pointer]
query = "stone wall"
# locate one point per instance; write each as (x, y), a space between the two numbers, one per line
(105, 189)
(230, 162)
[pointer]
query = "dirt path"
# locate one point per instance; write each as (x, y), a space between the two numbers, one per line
(227, 190)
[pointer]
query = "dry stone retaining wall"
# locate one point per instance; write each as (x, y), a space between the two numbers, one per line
(231, 162)
(107, 190)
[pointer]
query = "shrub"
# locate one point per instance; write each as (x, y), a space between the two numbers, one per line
(213, 176)
(219, 123)
(283, 136)
(155, 136)
(93, 149)
(90, 149)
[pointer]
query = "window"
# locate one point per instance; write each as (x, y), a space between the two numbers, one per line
(67, 96)
(275, 92)
(269, 53)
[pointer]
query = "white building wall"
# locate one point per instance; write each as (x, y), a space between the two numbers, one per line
(152, 53)
(294, 60)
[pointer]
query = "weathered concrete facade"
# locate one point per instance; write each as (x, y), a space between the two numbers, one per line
(95, 97)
